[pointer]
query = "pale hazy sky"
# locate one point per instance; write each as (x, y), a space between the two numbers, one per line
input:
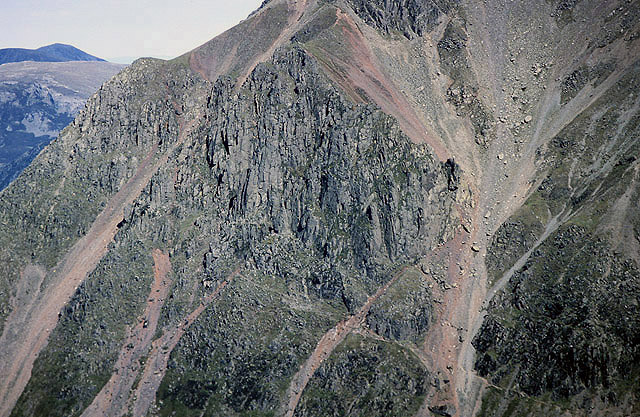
(113, 29)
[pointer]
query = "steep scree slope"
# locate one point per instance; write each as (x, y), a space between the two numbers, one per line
(375, 208)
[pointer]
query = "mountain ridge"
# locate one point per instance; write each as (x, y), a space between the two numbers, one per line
(369, 210)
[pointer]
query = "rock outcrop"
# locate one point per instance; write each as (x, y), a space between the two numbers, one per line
(373, 208)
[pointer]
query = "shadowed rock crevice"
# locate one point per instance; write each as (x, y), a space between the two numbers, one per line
(372, 208)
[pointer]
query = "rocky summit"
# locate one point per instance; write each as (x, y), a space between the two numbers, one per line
(341, 208)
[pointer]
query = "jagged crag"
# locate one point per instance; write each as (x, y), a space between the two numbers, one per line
(357, 207)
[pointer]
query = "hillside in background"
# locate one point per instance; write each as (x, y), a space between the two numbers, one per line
(341, 208)
(56, 52)
(37, 100)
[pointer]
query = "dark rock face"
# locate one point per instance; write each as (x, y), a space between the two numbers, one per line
(410, 18)
(319, 260)
(304, 189)
(339, 170)
(405, 312)
(310, 225)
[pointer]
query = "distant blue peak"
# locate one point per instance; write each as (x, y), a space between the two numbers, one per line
(56, 52)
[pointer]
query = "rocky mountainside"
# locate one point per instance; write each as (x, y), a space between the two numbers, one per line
(341, 208)
(37, 100)
(56, 52)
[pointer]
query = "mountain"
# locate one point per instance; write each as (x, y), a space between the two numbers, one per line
(37, 100)
(56, 52)
(341, 207)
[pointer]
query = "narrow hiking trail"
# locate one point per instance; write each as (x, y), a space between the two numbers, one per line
(26, 332)
(327, 345)
(111, 400)
(155, 367)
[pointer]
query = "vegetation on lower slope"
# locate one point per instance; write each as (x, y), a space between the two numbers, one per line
(566, 328)
(293, 213)
(61, 193)
(312, 199)
(366, 377)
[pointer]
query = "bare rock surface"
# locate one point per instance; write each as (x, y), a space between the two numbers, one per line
(360, 208)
